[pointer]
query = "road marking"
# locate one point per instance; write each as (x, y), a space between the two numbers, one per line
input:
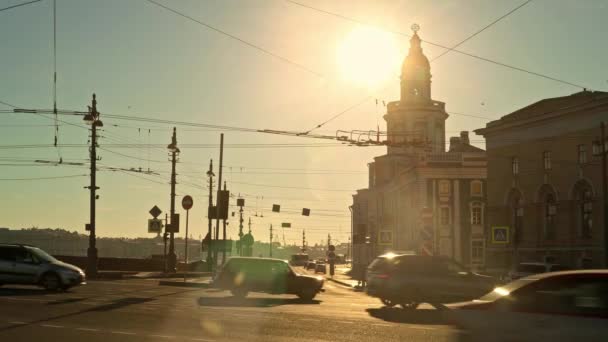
(17, 322)
(310, 320)
(51, 326)
(162, 336)
(122, 332)
(87, 329)
(381, 324)
(345, 322)
(421, 328)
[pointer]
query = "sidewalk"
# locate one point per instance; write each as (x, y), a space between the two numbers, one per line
(201, 282)
(342, 277)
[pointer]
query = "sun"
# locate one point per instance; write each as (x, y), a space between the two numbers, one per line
(368, 57)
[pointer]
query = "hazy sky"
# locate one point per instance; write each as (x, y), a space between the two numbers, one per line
(142, 60)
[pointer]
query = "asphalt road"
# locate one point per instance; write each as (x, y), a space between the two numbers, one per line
(141, 310)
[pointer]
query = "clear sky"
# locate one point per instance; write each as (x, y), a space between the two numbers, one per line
(142, 60)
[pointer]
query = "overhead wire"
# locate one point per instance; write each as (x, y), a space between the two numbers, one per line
(241, 40)
(18, 5)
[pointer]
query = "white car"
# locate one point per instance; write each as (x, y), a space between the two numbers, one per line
(555, 307)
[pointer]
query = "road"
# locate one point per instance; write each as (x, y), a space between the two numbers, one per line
(141, 310)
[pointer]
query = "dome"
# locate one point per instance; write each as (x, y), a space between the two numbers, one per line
(415, 59)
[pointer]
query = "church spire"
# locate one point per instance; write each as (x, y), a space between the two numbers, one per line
(415, 72)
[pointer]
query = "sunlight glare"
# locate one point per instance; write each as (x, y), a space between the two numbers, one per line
(368, 57)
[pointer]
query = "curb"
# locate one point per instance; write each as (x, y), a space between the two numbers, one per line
(340, 282)
(184, 284)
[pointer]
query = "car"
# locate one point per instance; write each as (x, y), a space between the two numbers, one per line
(300, 259)
(241, 275)
(321, 268)
(29, 265)
(530, 268)
(555, 306)
(311, 265)
(409, 280)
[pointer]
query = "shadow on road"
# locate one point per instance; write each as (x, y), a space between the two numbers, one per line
(251, 302)
(19, 291)
(398, 315)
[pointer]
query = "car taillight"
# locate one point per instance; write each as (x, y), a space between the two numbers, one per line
(383, 276)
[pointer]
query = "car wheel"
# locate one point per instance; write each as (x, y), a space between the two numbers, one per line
(51, 282)
(410, 305)
(387, 302)
(239, 292)
(307, 294)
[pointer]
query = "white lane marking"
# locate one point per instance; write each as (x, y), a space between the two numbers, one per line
(162, 336)
(345, 322)
(310, 320)
(122, 332)
(87, 329)
(51, 326)
(17, 322)
(381, 325)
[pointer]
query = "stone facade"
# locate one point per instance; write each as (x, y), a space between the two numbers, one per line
(544, 183)
(418, 175)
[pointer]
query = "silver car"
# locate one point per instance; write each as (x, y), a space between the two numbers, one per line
(28, 265)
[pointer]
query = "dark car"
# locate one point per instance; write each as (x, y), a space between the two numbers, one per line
(558, 306)
(311, 265)
(241, 275)
(409, 280)
(28, 265)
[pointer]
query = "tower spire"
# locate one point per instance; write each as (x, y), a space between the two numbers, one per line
(415, 71)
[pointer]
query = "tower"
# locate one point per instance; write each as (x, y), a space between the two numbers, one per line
(415, 123)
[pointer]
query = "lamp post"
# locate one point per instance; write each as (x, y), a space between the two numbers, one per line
(92, 119)
(600, 148)
(172, 257)
(210, 174)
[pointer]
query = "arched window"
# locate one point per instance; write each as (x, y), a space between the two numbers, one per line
(583, 199)
(548, 201)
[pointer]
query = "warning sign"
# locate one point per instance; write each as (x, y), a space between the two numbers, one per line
(500, 235)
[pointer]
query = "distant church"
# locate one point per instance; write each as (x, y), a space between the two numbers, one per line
(420, 197)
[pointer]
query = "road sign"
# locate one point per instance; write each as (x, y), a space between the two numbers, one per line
(187, 202)
(155, 226)
(305, 212)
(276, 208)
(286, 225)
(155, 211)
(240, 202)
(500, 235)
(223, 197)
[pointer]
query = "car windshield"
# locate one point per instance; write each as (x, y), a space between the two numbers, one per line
(42, 255)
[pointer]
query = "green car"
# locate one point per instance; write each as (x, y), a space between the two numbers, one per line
(241, 275)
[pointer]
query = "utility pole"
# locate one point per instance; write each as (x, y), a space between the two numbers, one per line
(172, 257)
(210, 174)
(240, 250)
(604, 191)
(92, 118)
(224, 235)
(165, 238)
(303, 240)
(271, 240)
(217, 197)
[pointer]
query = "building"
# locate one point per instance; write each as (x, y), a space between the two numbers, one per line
(420, 197)
(544, 184)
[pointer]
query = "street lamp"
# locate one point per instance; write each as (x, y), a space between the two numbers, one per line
(92, 119)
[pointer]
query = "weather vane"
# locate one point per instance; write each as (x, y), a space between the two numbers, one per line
(415, 28)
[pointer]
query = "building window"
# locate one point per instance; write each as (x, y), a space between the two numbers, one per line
(550, 211)
(476, 188)
(444, 187)
(547, 160)
(584, 208)
(476, 214)
(582, 154)
(477, 250)
(515, 165)
(444, 216)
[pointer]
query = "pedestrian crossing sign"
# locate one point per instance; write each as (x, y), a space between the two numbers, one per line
(500, 235)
